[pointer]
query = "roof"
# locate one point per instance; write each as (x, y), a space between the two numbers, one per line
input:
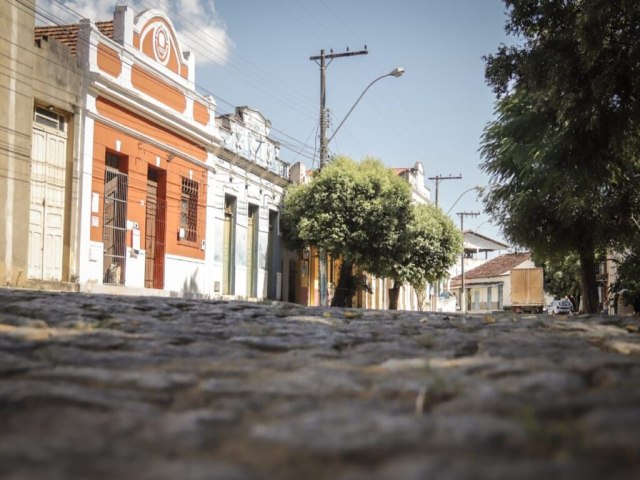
(496, 267)
(475, 241)
(400, 171)
(68, 34)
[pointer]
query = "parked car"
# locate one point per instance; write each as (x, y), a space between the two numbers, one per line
(560, 307)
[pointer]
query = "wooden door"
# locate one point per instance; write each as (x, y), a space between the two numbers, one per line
(154, 233)
(46, 211)
(228, 250)
(252, 250)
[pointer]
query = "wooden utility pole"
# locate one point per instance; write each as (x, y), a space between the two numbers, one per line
(324, 121)
(463, 297)
(438, 178)
(324, 115)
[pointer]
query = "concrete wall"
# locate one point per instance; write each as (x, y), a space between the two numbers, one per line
(16, 98)
(57, 86)
(45, 75)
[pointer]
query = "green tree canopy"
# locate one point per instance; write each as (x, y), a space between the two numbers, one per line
(429, 247)
(563, 150)
(562, 276)
(354, 210)
(628, 283)
(363, 213)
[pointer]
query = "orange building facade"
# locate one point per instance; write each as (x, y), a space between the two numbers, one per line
(168, 197)
(149, 142)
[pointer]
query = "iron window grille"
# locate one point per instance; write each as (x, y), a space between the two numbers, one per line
(189, 211)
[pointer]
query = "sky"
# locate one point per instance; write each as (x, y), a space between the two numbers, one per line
(256, 53)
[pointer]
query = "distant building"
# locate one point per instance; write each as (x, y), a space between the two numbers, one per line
(478, 249)
(415, 178)
(488, 286)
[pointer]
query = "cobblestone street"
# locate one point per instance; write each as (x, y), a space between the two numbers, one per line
(164, 388)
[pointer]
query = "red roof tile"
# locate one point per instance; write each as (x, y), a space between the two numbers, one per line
(496, 266)
(68, 34)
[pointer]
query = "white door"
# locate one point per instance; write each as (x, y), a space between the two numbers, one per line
(46, 215)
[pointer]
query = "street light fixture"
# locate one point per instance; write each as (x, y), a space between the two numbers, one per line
(324, 143)
(396, 72)
(477, 188)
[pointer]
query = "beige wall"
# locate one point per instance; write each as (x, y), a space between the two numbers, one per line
(16, 97)
(59, 87)
(47, 75)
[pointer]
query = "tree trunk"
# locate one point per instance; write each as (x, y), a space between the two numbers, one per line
(344, 290)
(588, 277)
(421, 297)
(394, 293)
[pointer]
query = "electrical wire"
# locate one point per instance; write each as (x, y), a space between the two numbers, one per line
(289, 145)
(293, 144)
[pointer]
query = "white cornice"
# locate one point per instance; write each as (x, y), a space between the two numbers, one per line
(233, 158)
(137, 103)
(151, 141)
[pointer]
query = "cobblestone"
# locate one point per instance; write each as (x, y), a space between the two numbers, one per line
(162, 388)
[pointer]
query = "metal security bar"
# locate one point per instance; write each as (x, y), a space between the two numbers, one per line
(114, 233)
(189, 211)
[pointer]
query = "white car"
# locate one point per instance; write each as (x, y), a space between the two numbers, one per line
(560, 307)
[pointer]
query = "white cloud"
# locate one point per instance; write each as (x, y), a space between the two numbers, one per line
(199, 28)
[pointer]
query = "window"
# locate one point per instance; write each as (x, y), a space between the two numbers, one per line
(49, 118)
(189, 211)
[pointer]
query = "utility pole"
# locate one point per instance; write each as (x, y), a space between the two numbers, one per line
(438, 178)
(324, 120)
(463, 297)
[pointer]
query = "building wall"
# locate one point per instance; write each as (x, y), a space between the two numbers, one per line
(482, 287)
(147, 111)
(16, 97)
(246, 150)
(184, 262)
(486, 297)
(41, 75)
(125, 97)
(63, 96)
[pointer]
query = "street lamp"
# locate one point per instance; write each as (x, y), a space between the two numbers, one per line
(477, 188)
(396, 72)
(324, 144)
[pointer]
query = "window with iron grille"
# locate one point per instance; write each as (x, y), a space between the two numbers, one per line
(189, 211)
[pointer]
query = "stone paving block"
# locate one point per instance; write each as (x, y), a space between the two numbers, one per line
(110, 387)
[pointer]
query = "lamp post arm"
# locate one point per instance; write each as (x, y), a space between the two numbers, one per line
(394, 73)
(476, 188)
(354, 106)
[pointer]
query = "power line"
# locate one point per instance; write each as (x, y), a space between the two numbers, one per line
(438, 178)
(297, 146)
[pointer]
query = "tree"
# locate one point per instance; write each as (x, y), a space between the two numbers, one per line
(563, 150)
(429, 246)
(627, 285)
(363, 214)
(356, 211)
(562, 276)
